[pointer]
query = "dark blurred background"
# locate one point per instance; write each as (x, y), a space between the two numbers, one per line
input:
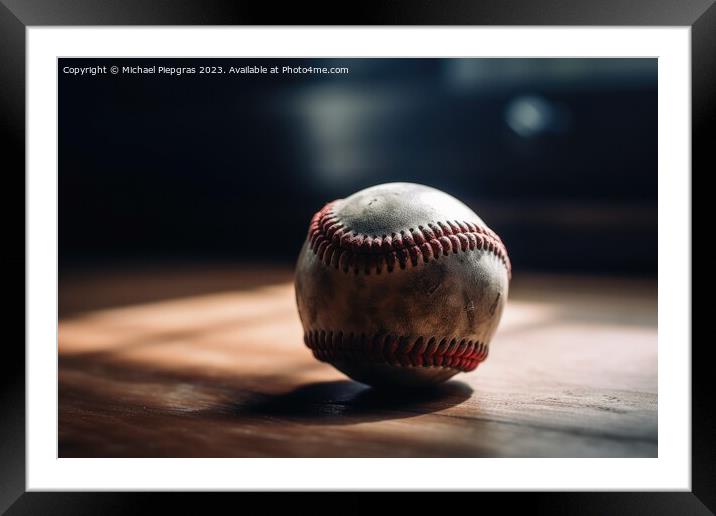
(559, 156)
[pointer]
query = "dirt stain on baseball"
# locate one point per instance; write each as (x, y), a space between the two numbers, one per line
(430, 279)
(469, 309)
(493, 306)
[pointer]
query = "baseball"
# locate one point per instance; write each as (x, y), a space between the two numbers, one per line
(400, 284)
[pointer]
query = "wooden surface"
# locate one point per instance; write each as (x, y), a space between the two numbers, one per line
(211, 363)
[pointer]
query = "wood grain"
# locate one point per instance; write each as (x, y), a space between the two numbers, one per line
(200, 362)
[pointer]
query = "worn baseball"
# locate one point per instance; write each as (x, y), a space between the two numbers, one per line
(400, 284)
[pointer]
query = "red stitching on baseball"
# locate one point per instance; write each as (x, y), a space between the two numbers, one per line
(341, 248)
(461, 354)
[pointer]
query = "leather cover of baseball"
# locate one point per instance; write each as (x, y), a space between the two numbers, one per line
(400, 284)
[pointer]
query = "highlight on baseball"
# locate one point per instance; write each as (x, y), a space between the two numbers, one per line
(401, 284)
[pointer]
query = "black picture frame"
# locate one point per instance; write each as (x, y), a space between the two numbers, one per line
(17, 15)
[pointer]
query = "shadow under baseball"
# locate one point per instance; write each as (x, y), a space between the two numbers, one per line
(346, 402)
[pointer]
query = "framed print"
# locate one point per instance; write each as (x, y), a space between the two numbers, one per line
(419, 250)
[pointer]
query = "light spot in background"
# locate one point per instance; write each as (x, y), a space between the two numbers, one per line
(335, 119)
(340, 123)
(466, 74)
(530, 116)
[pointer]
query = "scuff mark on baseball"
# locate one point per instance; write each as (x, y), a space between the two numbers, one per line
(401, 284)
